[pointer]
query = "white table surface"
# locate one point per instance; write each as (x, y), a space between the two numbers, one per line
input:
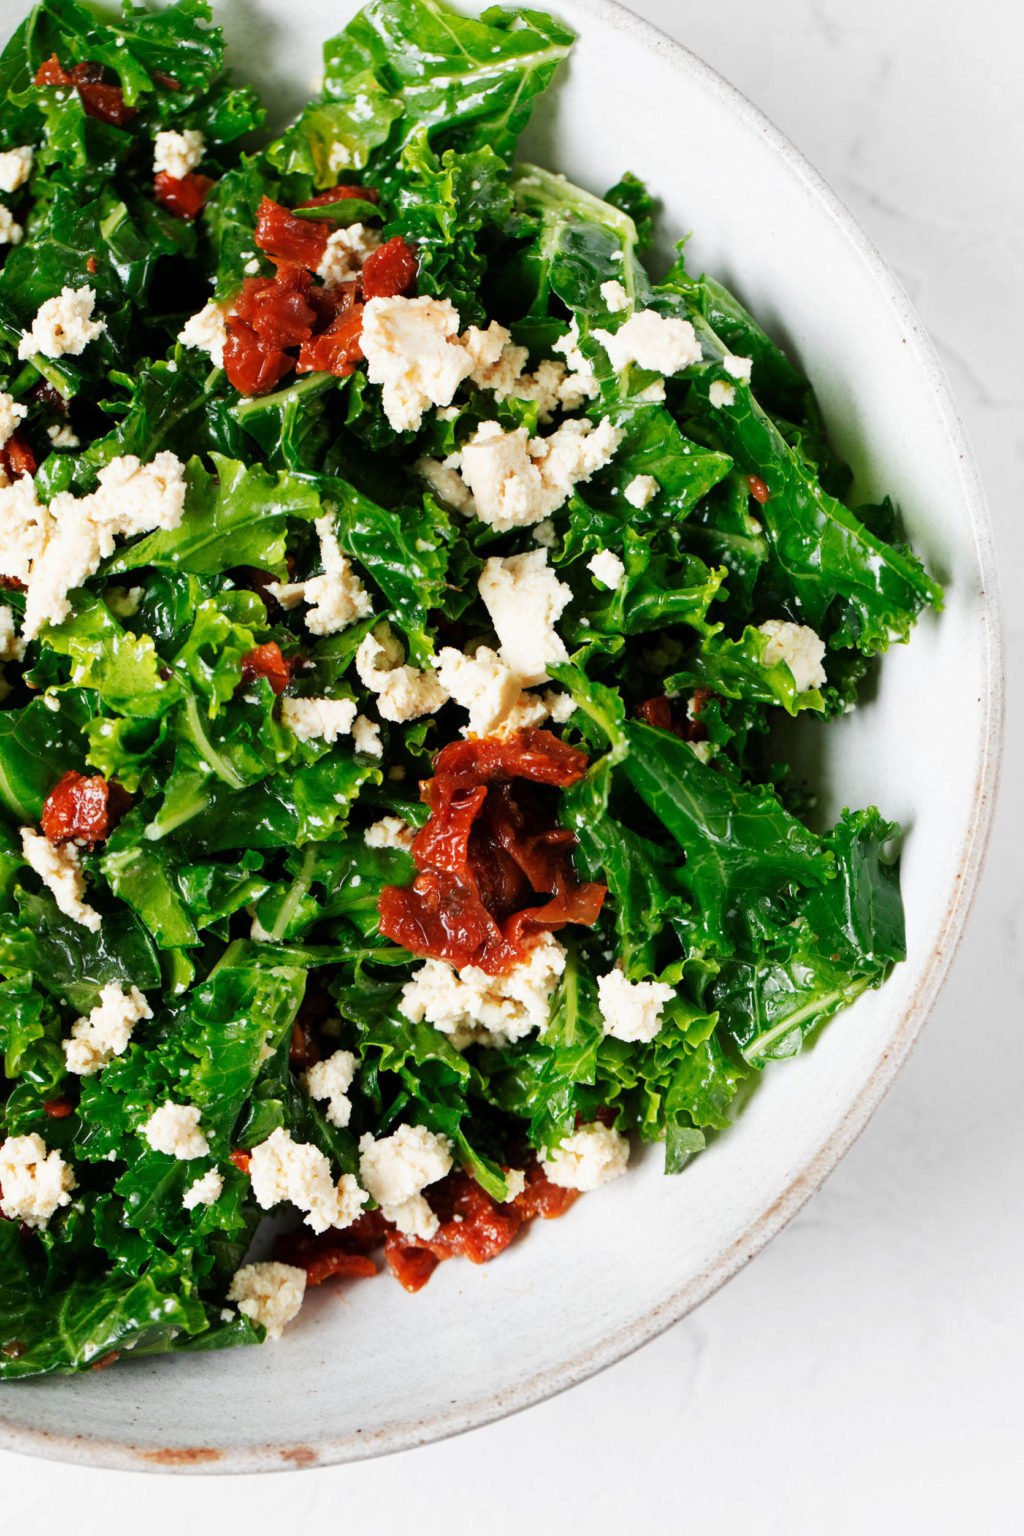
(863, 1373)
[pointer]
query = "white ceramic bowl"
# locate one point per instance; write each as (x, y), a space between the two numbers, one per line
(369, 1369)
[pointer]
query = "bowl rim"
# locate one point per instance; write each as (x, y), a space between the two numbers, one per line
(488, 1408)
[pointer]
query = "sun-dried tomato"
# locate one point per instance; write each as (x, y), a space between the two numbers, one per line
(758, 489)
(17, 457)
(240, 1159)
(253, 368)
(11, 584)
(52, 72)
(284, 238)
(667, 714)
(278, 308)
(58, 1109)
(83, 809)
(389, 270)
(99, 99)
(489, 848)
(338, 194)
(91, 266)
(336, 350)
(267, 661)
(183, 195)
(325, 1259)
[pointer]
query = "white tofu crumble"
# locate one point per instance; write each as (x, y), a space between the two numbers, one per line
(205, 1191)
(297, 1172)
(366, 737)
(207, 331)
(579, 384)
(35, 1182)
(63, 326)
(475, 1008)
(800, 647)
(663, 344)
(318, 719)
(106, 1031)
(11, 648)
(63, 435)
(269, 1294)
(345, 252)
(390, 832)
(720, 393)
(515, 1183)
(412, 351)
(11, 415)
(330, 1080)
(492, 693)
(15, 167)
(397, 1168)
(631, 1010)
(615, 296)
(177, 152)
(739, 367)
(641, 491)
(11, 232)
(525, 599)
(517, 480)
(499, 365)
(593, 1155)
(174, 1129)
(60, 871)
(337, 598)
(403, 692)
(607, 568)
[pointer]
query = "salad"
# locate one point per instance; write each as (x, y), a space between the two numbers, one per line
(405, 596)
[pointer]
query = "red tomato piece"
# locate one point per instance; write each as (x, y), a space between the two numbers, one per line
(83, 809)
(240, 1159)
(758, 489)
(278, 309)
(337, 194)
(389, 270)
(183, 195)
(58, 1109)
(267, 661)
(284, 238)
(336, 350)
(52, 72)
(252, 368)
(17, 457)
(99, 98)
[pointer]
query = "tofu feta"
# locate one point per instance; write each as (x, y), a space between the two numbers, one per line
(205, 1191)
(475, 1008)
(297, 1172)
(337, 598)
(12, 414)
(593, 1155)
(516, 480)
(330, 1080)
(15, 167)
(63, 326)
(174, 1129)
(345, 253)
(641, 491)
(59, 870)
(615, 296)
(11, 647)
(397, 1168)
(390, 832)
(318, 719)
(35, 1183)
(412, 351)
(106, 1031)
(662, 343)
(525, 599)
(631, 1010)
(207, 331)
(403, 692)
(739, 367)
(720, 393)
(607, 568)
(11, 232)
(177, 153)
(800, 647)
(269, 1294)
(366, 737)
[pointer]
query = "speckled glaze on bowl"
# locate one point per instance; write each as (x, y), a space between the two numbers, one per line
(369, 1370)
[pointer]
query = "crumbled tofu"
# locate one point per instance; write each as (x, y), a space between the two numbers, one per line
(525, 599)
(345, 253)
(631, 1010)
(15, 167)
(123, 602)
(11, 414)
(476, 1008)
(515, 1183)
(318, 719)
(703, 751)
(11, 648)
(403, 692)
(579, 383)
(177, 153)
(295, 1171)
(35, 1183)
(207, 331)
(545, 534)
(366, 737)
(61, 873)
(63, 326)
(517, 480)
(105, 1032)
(652, 393)
(25, 528)
(593, 1155)
(269, 1294)
(331, 1080)
(174, 1129)
(390, 832)
(615, 296)
(664, 344)
(447, 485)
(738, 367)
(337, 598)
(607, 568)
(500, 366)
(800, 647)
(413, 352)
(641, 490)
(720, 393)
(492, 693)
(205, 1191)
(62, 435)
(396, 1169)
(11, 232)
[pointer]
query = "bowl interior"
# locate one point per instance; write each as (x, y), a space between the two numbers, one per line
(368, 1368)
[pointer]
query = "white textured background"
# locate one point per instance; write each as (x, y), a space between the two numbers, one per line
(863, 1373)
